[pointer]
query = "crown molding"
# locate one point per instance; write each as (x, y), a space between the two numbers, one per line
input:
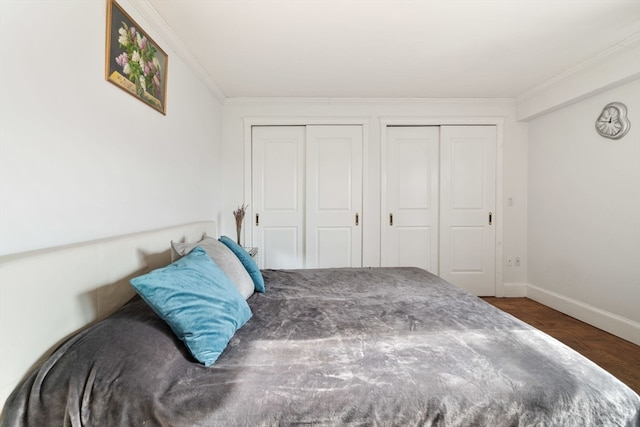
(330, 101)
(631, 42)
(613, 67)
(157, 22)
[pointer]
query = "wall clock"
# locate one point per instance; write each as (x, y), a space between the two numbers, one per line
(613, 122)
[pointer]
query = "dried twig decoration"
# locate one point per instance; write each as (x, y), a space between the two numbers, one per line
(239, 215)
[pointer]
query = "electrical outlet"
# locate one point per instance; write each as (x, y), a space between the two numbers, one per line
(516, 261)
(509, 261)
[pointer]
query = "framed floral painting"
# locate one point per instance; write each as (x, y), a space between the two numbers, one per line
(134, 62)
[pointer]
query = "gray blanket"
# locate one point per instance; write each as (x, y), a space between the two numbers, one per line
(358, 347)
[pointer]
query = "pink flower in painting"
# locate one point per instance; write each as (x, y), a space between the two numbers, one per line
(122, 59)
(142, 43)
(156, 84)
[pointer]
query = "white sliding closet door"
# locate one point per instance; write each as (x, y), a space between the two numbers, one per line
(467, 207)
(410, 216)
(438, 186)
(278, 154)
(307, 196)
(334, 196)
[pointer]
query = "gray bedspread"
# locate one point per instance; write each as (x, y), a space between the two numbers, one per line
(358, 347)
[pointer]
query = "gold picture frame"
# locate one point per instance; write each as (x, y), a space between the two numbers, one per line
(134, 62)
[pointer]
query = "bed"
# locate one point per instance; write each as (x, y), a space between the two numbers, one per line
(348, 346)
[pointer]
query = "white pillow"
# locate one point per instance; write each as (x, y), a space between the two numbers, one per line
(223, 257)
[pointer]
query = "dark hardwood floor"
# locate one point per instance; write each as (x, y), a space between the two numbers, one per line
(616, 355)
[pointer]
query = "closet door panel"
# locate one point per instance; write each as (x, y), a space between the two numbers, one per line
(467, 249)
(467, 173)
(334, 196)
(467, 232)
(414, 247)
(410, 197)
(278, 195)
(333, 247)
(279, 247)
(333, 173)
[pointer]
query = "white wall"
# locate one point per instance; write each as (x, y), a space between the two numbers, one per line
(79, 158)
(370, 112)
(584, 213)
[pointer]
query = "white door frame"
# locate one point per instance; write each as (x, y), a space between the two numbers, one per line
(444, 121)
(249, 122)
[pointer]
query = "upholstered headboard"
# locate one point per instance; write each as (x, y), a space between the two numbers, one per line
(46, 295)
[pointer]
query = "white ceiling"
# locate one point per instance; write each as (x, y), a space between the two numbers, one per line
(394, 48)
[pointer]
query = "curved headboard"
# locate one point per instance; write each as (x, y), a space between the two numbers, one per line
(48, 294)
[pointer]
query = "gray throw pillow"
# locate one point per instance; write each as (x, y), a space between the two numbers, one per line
(223, 257)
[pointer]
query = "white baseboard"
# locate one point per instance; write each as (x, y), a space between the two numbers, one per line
(612, 323)
(514, 290)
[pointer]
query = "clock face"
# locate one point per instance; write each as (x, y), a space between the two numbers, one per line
(609, 122)
(613, 122)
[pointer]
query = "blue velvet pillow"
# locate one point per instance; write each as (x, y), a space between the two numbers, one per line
(198, 301)
(246, 260)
